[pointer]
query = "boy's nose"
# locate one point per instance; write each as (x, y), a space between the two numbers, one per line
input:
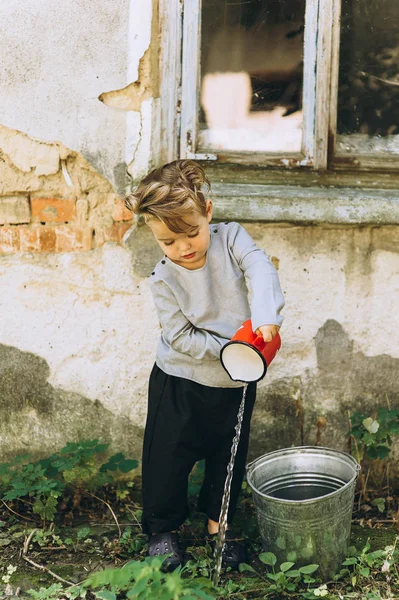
(185, 245)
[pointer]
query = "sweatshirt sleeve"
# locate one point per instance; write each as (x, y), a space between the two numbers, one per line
(178, 332)
(267, 299)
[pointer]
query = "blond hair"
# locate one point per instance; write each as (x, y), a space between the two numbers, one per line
(170, 193)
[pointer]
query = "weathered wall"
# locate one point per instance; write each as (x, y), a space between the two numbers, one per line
(79, 87)
(77, 327)
(78, 337)
(57, 58)
(52, 199)
(75, 343)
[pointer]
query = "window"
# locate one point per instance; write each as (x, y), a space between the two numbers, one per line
(251, 76)
(368, 85)
(287, 83)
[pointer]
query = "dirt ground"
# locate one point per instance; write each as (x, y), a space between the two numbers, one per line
(94, 537)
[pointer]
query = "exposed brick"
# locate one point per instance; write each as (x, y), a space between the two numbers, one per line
(114, 233)
(53, 210)
(70, 238)
(47, 239)
(82, 211)
(9, 240)
(29, 239)
(120, 212)
(14, 210)
(64, 238)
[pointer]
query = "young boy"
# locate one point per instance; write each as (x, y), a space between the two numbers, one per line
(201, 296)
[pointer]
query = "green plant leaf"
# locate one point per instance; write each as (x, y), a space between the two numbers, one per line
(290, 586)
(244, 567)
(268, 558)
(350, 561)
(5, 542)
(68, 541)
(117, 457)
(50, 593)
(366, 547)
(377, 554)
(285, 566)
(293, 573)
(379, 451)
(83, 533)
(308, 569)
(380, 504)
(46, 510)
(105, 595)
(128, 465)
(204, 581)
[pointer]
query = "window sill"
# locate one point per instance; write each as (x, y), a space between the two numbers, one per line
(305, 205)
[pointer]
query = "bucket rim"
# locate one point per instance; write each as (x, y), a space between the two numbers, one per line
(250, 467)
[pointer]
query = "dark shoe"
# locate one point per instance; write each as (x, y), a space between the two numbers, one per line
(234, 551)
(168, 544)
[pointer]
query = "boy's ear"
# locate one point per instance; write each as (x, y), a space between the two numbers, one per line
(209, 210)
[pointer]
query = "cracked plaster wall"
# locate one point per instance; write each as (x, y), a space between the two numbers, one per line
(58, 58)
(33, 169)
(87, 322)
(89, 317)
(75, 315)
(78, 331)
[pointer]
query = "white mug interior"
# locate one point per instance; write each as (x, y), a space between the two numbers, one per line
(243, 362)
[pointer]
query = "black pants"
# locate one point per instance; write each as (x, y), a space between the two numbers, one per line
(188, 422)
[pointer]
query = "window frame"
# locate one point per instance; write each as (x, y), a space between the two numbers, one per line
(180, 23)
(190, 95)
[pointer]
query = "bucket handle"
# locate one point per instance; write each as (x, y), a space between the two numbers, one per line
(249, 465)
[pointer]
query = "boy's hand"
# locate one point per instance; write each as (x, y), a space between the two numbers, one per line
(268, 332)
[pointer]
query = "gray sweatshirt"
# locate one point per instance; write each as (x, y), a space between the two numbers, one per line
(200, 310)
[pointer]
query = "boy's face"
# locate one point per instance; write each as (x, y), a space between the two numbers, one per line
(186, 249)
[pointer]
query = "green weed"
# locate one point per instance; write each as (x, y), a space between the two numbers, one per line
(75, 470)
(372, 436)
(147, 581)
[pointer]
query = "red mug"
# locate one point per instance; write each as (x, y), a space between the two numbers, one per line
(247, 356)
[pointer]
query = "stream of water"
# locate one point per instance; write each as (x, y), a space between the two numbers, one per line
(226, 494)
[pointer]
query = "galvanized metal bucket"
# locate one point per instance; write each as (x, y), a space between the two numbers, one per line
(304, 500)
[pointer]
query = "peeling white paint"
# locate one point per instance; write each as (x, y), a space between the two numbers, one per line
(28, 154)
(56, 59)
(136, 124)
(140, 159)
(139, 35)
(133, 126)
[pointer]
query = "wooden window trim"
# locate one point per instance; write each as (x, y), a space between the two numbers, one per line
(170, 33)
(179, 97)
(354, 161)
(305, 205)
(315, 17)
